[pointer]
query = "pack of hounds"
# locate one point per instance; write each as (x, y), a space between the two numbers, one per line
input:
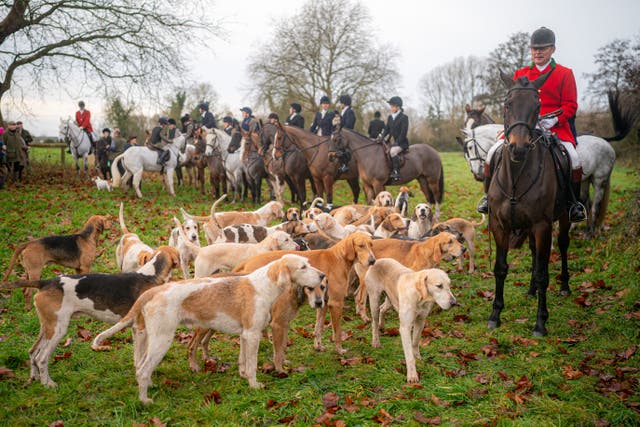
(249, 277)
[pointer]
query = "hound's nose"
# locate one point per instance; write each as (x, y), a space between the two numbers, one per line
(454, 301)
(464, 249)
(318, 303)
(372, 260)
(321, 276)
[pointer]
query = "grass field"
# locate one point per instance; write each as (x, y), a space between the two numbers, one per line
(585, 372)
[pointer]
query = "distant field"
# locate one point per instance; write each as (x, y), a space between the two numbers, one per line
(584, 373)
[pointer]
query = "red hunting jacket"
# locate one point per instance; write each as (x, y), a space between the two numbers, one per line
(559, 91)
(83, 119)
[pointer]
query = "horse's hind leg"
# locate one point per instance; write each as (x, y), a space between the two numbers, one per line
(137, 177)
(563, 245)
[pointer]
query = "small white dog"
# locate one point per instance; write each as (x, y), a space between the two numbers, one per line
(187, 254)
(102, 184)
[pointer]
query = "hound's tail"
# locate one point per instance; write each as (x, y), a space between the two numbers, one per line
(121, 217)
(14, 259)
(125, 322)
(198, 218)
(115, 172)
(25, 284)
(475, 224)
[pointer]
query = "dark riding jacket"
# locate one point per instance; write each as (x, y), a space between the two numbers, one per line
(295, 120)
(209, 121)
(348, 118)
(324, 124)
(396, 130)
(376, 126)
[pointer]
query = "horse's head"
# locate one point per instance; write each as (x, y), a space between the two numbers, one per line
(63, 129)
(337, 141)
(521, 109)
(473, 153)
(474, 117)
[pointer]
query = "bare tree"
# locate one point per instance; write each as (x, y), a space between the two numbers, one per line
(447, 88)
(95, 44)
(325, 49)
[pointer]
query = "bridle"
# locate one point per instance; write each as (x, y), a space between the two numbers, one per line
(512, 126)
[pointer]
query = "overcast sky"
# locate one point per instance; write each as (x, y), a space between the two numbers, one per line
(426, 33)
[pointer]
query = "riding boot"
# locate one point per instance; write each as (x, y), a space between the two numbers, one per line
(483, 207)
(160, 160)
(395, 173)
(577, 211)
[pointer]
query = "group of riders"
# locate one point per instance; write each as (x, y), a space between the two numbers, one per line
(14, 151)
(558, 93)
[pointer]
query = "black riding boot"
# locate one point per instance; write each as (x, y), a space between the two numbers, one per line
(577, 211)
(483, 207)
(344, 157)
(395, 173)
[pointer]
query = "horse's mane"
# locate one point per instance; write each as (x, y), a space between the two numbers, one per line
(358, 133)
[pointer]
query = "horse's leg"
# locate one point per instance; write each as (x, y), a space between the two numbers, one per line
(168, 179)
(431, 190)
(563, 244)
(532, 284)
(319, 190)
(179, 175)
(355, 189)
(500, 273)
(543, 236)
(137, 177)
(327, 182)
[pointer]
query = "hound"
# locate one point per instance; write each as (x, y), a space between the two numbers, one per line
(418, 255)
(102, 184)
(401, 205)
(249, 233)
(336, 262)
(421, 221)
(391, 225)
(412, 295)
(74, 251)
(467, 231)
(262, 216)
(105, 297)
(187, 254)
(212, 228)
(384, 199)
(232, 304)
(130, 249)
(292, 214)
(225, 256)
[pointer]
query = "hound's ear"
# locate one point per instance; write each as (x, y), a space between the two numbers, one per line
(421, 285)
(437, 250)
(284, 275)
(144, 257)
(414, 217)
(185, 215)
(350, 250)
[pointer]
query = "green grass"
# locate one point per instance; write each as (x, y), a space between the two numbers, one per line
(469, 375)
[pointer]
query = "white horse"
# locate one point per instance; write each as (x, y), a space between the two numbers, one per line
(596, 154)
(233, 165)
(136, 160)
(80, 144)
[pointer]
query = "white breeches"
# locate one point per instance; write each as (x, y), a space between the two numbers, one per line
(394, 151)
(571, 150)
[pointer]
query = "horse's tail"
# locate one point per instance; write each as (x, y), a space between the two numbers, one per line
(623, 118)
(116, 178)
(602, 212)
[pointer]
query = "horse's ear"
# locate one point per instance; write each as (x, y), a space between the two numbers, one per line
(482, 109)
(467, 108)
(508, 82)
(460, 141)
(537, 83)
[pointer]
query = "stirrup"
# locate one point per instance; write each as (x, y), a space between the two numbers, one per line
(483, 206)
(395, 176)
(577, 212)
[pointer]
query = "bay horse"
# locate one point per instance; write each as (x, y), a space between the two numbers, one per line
(254, 170)
(596, 154)
(323, 171)
(284, 162)
(476, 117)
(421, 162)
(525, 199)
(211, 159)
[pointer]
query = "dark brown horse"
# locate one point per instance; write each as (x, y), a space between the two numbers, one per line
(421, 162)
(284, 162)
(323, 171)
(212, 159)
(476, 117)
(525, 199)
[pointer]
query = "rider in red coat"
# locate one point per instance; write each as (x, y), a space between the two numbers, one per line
(557, 92)
(83, 119)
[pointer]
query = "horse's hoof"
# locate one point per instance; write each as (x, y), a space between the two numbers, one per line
(539, 334)
(565, 293)
(492, 324)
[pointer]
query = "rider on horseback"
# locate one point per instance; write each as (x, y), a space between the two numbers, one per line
(83, 119)
(160, 140)
(347, 121)
(396, 132)
(557, 92)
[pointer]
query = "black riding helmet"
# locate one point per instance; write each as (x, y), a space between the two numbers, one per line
(542, 37)
(395, 100)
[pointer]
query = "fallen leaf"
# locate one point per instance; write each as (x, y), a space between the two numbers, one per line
(58, 423)
(481, 378)
(213, 396)
(83, 333)
(383, 417)
(571, 374)
(438, 402)
(330, 400)
(5, 372)
(68, 342)
(65, 355)
(155, 421)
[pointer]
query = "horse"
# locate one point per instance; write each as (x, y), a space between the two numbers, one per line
(596, 154)
(231, 159)
(80, 144)
(213, 160)
(525, 199)
(136, 160)
(421, 162)
(254, 170)
(476, 117)
(323, 171)
(284, 162)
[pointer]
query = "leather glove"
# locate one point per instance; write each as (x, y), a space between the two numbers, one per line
(547, 124)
